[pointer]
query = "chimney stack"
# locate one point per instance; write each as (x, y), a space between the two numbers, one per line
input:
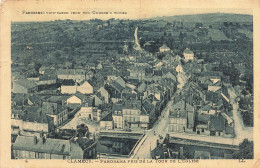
(35, 139)
(43, 139)
(181, 152)
(178, 114)
(63, 147)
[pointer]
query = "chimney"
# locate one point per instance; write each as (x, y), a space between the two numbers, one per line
(181, 152)
(41, 134)
(43, 139)
(63, 147)
(178, 114)
(35, 139)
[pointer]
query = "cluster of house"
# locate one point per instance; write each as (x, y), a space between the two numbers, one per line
(128, 93)
(203, 104)
(117, 98)
(34, 122)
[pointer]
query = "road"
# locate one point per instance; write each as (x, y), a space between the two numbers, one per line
(159, 127)
(241, 132)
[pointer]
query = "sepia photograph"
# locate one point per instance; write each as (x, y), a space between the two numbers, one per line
(123, 89)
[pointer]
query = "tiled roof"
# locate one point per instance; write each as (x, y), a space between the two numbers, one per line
(107, 118)
(178, 114)
(35, 98)
(53, 146)
(117, 107)
(19, 97)
(148, 107)
(26, 83)
(80, 96)
(117, 86)
(55, 99)
(188, 51)
(34, 114)
(183, 105)
(164, 47)
(216, 123)
(212, 96)
(52, 108)
(48, 77)
(132, 104)
(84, 142)
(71, 72)
(49, 71)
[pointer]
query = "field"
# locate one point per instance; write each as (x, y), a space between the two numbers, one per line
(248, 33)
(217, 35)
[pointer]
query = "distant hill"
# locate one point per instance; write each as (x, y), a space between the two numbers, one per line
(209, 17)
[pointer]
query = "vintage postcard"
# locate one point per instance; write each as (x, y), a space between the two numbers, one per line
(95, 83)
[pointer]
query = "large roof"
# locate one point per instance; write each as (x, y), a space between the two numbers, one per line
(117, 107)
(178, 114)
(183, 105)
(148, 107)
(34, 114)
(164, 47)
(188, 51)
(132, 104)
(26, 83)
(71, 72)
(117, 86)
(52, 108)
(216, 123)
(53, 146)
(80, 96)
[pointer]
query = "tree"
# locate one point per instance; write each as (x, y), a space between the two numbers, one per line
(37, 66)
(57, 54)
(82, 130)
(246, 150)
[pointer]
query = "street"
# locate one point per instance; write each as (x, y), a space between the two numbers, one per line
(92, 125)
(241, 132)
(159, 127)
